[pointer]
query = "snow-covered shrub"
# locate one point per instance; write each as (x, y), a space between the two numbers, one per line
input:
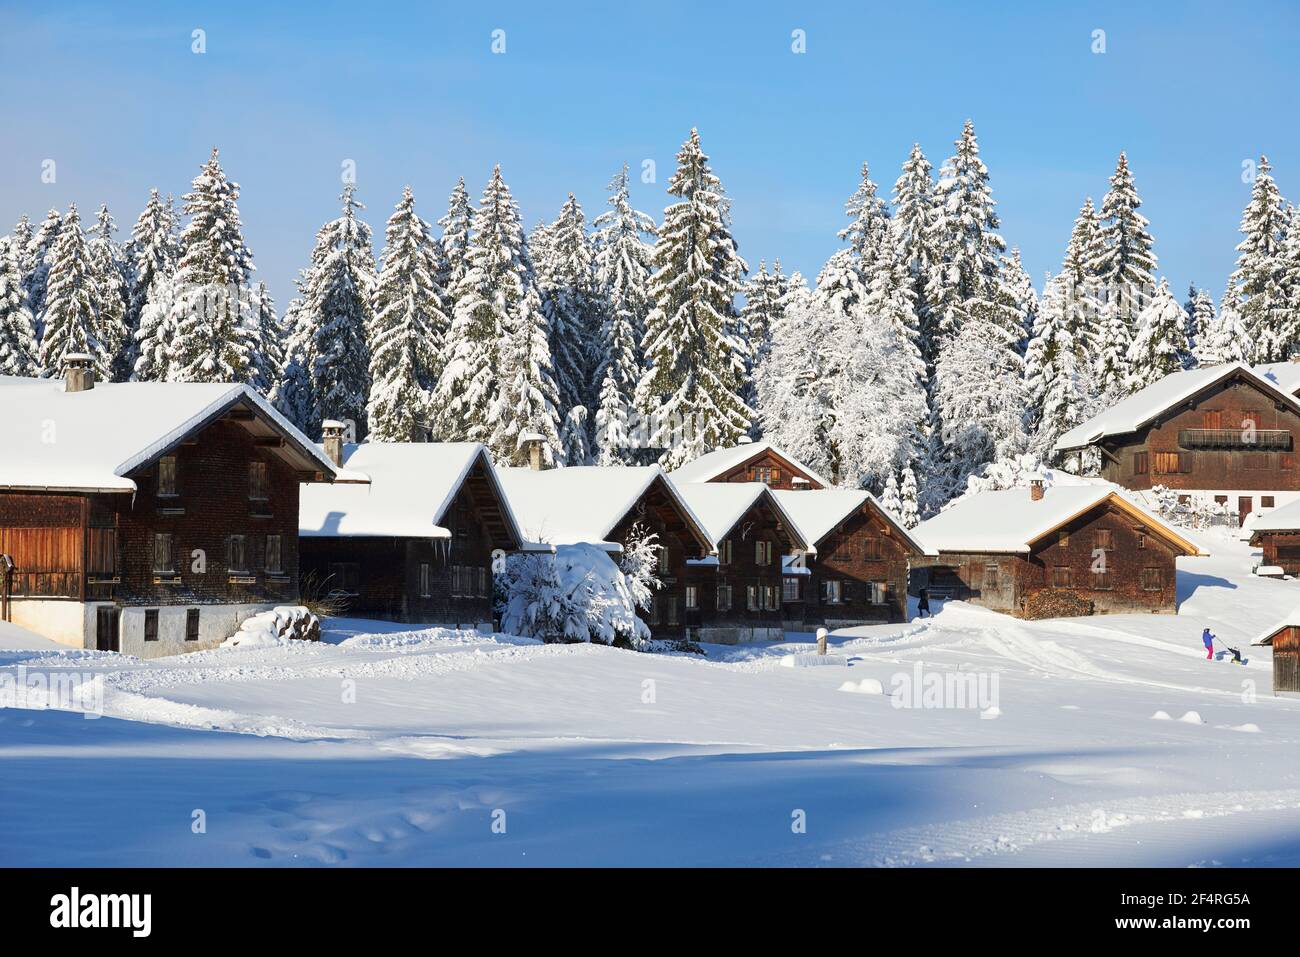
(577, 594)
(1198, 511)
(279, 626)
(639, 563)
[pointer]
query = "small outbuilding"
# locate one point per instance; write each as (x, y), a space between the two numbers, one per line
(1284, 639)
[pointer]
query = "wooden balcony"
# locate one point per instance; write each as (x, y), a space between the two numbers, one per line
(1260, 440)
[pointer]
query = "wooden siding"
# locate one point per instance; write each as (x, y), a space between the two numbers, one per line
(1280, 548)
(863, 550)
(780, 472)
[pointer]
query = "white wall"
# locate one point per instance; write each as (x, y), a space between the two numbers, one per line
(61, 621)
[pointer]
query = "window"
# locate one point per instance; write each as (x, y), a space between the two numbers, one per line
(345, 577)
(273, 554)
(259, 481)
(426, 580)
(832, 591)
(790, 588)
(1063, 538)
(775, 477)
(1101, 581)
(151, 624)
(102, 546)
(1141, 463)
(1212, 419)
(991, 577)
(1062, 576)
(483, 591)
(762, 553)
(661, 558)
(724, 597)
(752, 597)
(162, 553)
(1266, 501)
(771, 597)
(1104, 539)
(1173, 462)
(236, 554)
(191, 624)
(871, 550)
(1153, 579)
(876, 593)
(692, 598)
(167, 475)
(724, 552)
(1221, 500)
(656, 613)
(672, 609)
(1142, 539)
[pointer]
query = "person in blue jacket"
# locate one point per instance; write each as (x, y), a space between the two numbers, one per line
(1208, 638)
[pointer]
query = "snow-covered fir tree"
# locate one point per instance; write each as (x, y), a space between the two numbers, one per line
(1159, 346)
(409, 330)
(1199, 306)
(1123, 262)
(214, 325)
(694, 368)
(914, 228)
(72, 300)
(1222, 338)
(764, 295)
(1256, 287)
(153, 251)
(623, 264)
(1019, 299)
(111, 281)
(910, 515)
(36, 266)
(1057, 392)
(890, 500)
(451, 249)
(18, 354)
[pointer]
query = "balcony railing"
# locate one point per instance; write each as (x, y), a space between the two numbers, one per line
(1259, 439)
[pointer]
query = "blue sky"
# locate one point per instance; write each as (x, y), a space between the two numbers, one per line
(413, 94)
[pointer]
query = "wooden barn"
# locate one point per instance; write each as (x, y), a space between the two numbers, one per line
(149, 518)
(1277, 534)
(750, 462)
(609, 507)
(1053, 552)
(858, 571)
(1228, 431)
(1284, 639)
(736, 594)
(408, 530)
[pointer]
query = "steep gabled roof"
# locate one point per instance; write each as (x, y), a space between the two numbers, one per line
(93, 440)
(1284, 519)
(399, 490)
(1011, 521)
(817, 512)
(1146, 405)
(722, 505)
(585, 504)
(1265, 637)
(712, 464)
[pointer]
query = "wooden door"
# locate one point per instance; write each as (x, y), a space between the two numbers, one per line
(1243, 508)
(108, 622)
(1286, 674)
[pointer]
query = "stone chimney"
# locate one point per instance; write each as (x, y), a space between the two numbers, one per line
(534, 443)
(1036, 489)
(78, 372)
(331, 431)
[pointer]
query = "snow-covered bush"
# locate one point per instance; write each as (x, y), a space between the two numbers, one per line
(279, 626)
(577, 594)
(1198, 511)
(639, 563)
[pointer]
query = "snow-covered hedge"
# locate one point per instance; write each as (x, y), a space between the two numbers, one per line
(279, 626)
(577, 594)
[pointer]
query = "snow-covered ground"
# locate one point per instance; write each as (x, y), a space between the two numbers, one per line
(387, 744)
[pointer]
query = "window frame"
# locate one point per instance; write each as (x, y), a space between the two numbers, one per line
(170, 567)
(168, 489)
(191, 624)
(256, 485)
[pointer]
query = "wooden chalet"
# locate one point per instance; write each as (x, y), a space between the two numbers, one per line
(1284, 638)
(751, 462)
(149, 518)
(1277, 534)
(609, 507)
(408, 530)
(1052, 552)
(858, 571)
(1228, 431)
(736, 594)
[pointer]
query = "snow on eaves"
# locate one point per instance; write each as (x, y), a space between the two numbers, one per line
(1286, 518)
(1009, 520)
(1266, 636)
(395, 490)
(712, 464)
(93, 440)
(817, 511)
(1131, 413)
(720, 505)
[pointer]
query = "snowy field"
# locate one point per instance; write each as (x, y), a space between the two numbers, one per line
(392, 745)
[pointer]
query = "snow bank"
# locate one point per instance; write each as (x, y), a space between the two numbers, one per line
(279, 626)
(865, 686)
(813, 661)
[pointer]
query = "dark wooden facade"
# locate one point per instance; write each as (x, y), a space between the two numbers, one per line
(739, 597)
(437, 581)
(772, 469)
(1234, 434)
(220, 529)
(858, 576)
(1063, 574)
(1281, 548)
(1286, 657)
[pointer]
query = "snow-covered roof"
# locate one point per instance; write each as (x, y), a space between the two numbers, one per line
(712, 464)
(1010, 520)
(584, 504)
(1285, 518)
(397, 490)
(1130, 414)
(818, 511)
(92, 440)
(1285, 375)
(721, 505)
(1266, 636)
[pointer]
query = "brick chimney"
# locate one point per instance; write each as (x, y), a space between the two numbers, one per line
(331, 431)
(534, 443)
(78, 372)
(1036, 489)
